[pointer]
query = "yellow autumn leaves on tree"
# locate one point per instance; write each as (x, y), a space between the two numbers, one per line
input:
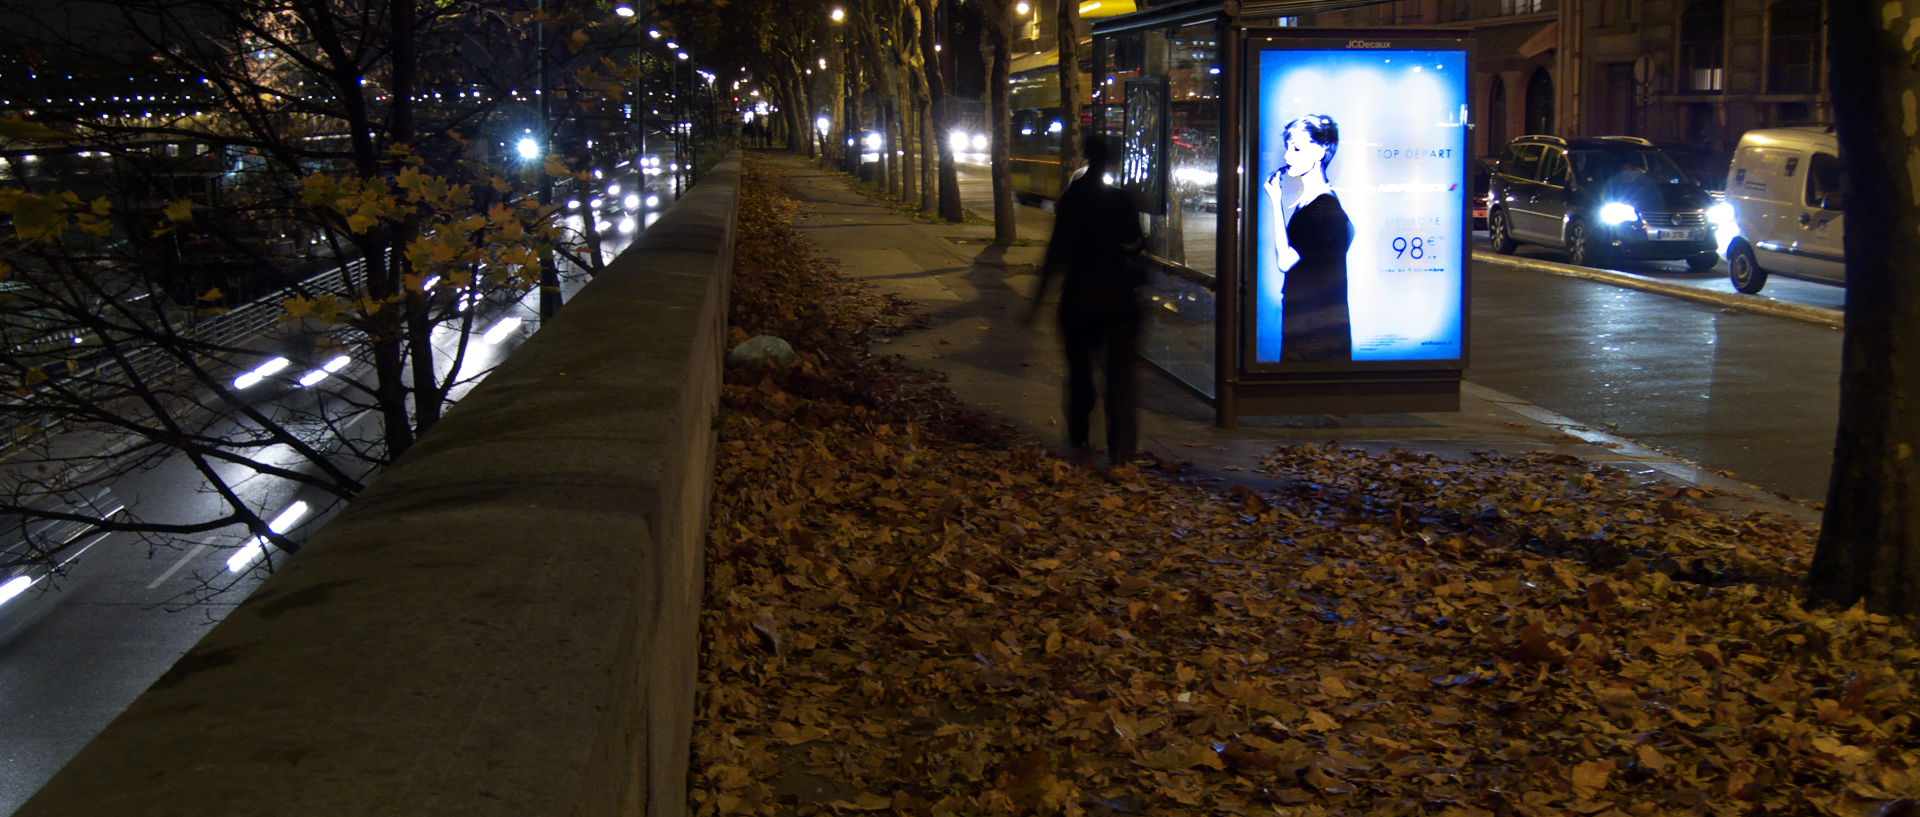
(502, 244)
(46, 216)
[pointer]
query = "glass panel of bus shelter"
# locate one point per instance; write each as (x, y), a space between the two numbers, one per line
(1178, 336)
(1034, 149)
(1123, 58)
(1180, 306)
(1194, 155)
(1153, 53)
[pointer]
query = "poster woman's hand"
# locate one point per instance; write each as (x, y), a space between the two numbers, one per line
(1274, 185)
(1277, 189)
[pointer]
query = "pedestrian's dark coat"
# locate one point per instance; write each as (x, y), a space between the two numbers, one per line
(1096, 238)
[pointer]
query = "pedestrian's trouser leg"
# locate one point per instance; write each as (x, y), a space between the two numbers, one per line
(1081, 338)
(1123, 397)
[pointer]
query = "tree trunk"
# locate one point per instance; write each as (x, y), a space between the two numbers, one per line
(838, 129)
(924, 135)
(801, 119)
(899, 174)
(1067, 40)
(412, 310)
(1870, 536)
(906, 39)
(999, 35)
(942, 113)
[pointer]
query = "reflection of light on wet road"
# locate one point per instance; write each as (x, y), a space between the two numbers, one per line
(311, 378)
(260, 372)
(258, 547)
(14, 587)
(501, 330)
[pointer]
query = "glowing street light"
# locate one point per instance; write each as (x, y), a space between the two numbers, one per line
(623, 10)
(837, 14)
(528, 148)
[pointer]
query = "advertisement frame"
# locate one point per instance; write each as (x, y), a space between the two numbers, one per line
(1146, 142)
(1253, 43)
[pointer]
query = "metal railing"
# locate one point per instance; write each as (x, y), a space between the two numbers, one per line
(147, 364)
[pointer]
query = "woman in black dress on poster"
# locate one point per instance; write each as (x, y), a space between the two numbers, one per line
(1315, 324)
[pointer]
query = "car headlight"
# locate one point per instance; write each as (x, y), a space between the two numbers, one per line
(1720, 215)
(1618, 213)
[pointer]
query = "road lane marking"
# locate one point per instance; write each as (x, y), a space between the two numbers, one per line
(191, 552)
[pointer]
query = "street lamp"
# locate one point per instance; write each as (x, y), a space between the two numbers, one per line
(837, 14)
(528, 148)
(624, 10)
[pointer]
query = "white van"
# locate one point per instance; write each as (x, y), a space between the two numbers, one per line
(1784, 185)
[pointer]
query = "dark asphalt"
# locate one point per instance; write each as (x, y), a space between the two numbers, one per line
(1754, 395)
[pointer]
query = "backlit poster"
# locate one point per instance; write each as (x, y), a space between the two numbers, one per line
(1357, 199)
(1142, 170)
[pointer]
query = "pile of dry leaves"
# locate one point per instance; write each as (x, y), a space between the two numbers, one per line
(910, 611)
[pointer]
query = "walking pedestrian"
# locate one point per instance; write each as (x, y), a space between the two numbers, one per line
(1094, 248)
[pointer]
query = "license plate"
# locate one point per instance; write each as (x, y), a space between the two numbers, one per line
(1673, 235)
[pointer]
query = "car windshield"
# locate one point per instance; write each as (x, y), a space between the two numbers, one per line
(1603, 167)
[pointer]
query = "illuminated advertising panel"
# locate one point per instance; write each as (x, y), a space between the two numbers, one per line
(1143, 169)
(1357, 194)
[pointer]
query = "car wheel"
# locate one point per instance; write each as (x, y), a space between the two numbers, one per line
(1745, 270)
(1580, 249)
(1497, 235)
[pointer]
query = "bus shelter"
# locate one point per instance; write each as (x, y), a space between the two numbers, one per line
(1307, 197)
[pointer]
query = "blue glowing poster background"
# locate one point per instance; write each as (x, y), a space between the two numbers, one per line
(1399, 174)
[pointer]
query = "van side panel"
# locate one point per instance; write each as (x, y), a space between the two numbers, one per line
(1763, 187)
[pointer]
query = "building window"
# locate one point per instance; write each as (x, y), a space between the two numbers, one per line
(1794, 113)
(1793, 47)
(1496, 116)
(1522, 6)
(1703, 46)
(1540, 102)
(1703, 124)
(1619, 12)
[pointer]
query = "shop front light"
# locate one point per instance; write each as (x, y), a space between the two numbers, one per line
(1615, 212)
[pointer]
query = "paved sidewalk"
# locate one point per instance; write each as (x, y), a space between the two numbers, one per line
(975, 296)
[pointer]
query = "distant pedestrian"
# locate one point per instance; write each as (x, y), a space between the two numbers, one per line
(1095, 243)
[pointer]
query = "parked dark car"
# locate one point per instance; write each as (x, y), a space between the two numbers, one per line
(1604, 199)
(1481, 170)
(1705, 166)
